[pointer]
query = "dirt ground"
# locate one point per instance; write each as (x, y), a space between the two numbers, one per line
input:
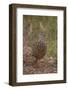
(43, 66)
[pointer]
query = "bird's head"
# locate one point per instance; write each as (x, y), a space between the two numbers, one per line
(41, 36)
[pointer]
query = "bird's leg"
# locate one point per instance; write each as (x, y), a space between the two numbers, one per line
(36, 64)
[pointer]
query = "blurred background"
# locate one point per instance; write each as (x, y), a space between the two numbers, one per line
(41, 29)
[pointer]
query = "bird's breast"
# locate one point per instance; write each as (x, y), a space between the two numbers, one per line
(39, 50)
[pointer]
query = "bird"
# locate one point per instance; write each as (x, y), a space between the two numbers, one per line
(39, 48)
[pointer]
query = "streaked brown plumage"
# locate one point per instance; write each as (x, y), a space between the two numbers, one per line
(39, 47)
(39, 50)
